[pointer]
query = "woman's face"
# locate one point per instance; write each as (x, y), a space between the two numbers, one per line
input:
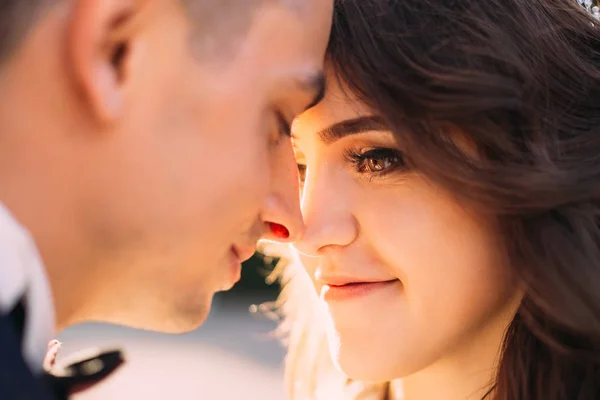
(410, 278)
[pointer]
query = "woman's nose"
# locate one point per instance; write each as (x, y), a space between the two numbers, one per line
(327, 211)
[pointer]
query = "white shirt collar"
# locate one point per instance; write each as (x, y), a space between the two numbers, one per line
(22, 275)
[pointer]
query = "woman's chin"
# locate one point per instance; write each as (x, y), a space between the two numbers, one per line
(360, 370)
(373, 363)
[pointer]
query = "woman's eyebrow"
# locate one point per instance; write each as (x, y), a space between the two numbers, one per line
(352, 127)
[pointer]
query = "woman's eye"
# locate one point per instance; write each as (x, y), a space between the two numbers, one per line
(376, 161)
(379, 164)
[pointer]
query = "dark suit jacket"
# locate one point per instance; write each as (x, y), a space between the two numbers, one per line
(16, 380)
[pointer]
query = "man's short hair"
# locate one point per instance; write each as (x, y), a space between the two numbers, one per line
(219, 24)
(16, 18)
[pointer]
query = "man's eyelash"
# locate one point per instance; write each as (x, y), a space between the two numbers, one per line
(284, 125)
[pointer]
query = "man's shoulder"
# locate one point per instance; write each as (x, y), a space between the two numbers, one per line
(16, 380)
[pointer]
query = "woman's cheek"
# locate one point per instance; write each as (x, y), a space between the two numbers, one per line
(310, 266)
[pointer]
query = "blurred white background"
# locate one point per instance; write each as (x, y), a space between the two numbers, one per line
(232, 356)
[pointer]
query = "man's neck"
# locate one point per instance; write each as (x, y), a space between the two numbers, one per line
(54, 242)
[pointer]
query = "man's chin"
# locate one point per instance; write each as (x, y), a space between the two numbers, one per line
(227, 287)
(179, 320)
(184, 322)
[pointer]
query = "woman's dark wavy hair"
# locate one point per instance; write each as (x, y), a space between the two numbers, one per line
(519, 82)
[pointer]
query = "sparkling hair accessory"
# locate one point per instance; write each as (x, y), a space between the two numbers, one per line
(591, 6)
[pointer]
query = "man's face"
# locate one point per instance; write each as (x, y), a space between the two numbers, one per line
(199, 162)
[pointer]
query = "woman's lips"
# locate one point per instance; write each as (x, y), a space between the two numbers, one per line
(331, 292)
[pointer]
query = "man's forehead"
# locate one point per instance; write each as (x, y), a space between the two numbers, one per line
(221, 26)
(214, 9)
(310, 80)
(315, 84)
(295, 5)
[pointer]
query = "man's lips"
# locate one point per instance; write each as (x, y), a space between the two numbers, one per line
(237, 256)
(243, 253)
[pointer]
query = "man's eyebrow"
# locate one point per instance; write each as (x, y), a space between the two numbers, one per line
(313, 83)
(352, 127)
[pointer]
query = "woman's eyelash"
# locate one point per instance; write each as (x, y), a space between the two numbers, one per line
(376, 161)
(371, 162)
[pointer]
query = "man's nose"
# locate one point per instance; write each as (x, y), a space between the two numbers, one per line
(281, 213)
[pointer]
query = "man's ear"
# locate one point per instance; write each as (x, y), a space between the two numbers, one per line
(102, 37)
